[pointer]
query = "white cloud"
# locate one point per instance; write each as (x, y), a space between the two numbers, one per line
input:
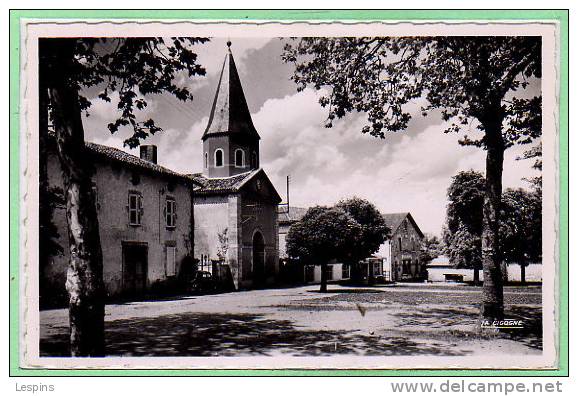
(408, 171)
(411, 173)
(212, 54)
(182, 150)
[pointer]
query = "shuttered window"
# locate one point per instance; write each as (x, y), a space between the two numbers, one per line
(171, 212)
(171, 267)
(135, 209)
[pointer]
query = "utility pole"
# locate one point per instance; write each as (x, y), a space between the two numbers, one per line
(288, 181)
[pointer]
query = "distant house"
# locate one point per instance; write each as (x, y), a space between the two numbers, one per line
(401, 250)
(311, 273)
(335, 272)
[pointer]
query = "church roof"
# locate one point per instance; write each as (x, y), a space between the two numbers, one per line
(394, 220)
(218, 185)
(230, 113)
(230, 184)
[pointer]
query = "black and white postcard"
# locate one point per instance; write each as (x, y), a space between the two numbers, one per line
(289, 195)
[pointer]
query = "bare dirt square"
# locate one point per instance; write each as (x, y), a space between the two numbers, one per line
(405, 319)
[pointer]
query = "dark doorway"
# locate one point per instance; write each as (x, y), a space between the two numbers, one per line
(406, 267)
(258, 259)
(135, 268)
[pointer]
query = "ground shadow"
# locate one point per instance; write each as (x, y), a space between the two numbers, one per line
(531, 333)
(212, 334)
(437, 318)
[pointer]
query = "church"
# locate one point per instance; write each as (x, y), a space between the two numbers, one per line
(235, 209)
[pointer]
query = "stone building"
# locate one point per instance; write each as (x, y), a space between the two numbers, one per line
(401, 250)
(235, 208)
(144, 213)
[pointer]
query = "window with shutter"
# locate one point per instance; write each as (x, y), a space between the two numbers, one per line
(171, 212)
(135, 208)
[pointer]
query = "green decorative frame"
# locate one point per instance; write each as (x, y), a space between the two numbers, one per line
(561, 16)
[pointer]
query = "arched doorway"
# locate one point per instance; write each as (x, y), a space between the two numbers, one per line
(258, 259)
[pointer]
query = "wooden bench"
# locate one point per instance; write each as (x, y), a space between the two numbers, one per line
(454, 277)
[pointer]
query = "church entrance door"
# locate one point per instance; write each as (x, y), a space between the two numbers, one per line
(258, 259)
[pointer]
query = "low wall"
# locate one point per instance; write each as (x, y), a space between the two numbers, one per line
(533, 273)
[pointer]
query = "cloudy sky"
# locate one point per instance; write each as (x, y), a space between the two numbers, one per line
(407, 171)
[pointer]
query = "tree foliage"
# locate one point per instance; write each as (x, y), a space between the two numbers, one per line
(374, 229)
(322, 234)
(465, 200)
(520, 223)
(463, 248)
(467, 78)
(463, 231)
(431, 248)
(132, 67)
(521, 226)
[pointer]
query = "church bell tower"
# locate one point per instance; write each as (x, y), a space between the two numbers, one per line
(230, 141)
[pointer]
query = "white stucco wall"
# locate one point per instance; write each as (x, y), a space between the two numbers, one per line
(113, 183)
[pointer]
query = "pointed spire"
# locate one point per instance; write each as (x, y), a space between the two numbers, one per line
(230, 113)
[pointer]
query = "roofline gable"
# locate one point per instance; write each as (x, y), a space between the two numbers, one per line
(252, 176)
(413, 222)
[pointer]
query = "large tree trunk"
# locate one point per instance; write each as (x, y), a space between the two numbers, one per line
(323, 287)
(523, 273)
(84, 281)
(493, 294)
(504, 271)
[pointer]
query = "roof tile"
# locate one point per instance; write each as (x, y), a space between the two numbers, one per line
(129, 159)
(220, 184)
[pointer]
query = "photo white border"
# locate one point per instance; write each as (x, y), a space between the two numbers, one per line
(32, 29)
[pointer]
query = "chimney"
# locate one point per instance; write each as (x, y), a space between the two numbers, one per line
(148, 153)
